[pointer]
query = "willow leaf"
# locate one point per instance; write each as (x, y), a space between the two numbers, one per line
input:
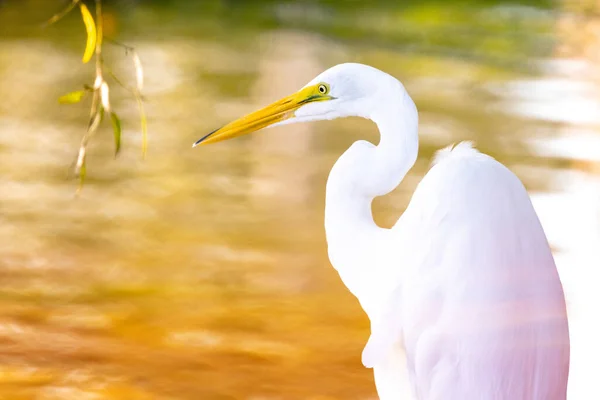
(90, 28)
(116, 124)
(72, 98)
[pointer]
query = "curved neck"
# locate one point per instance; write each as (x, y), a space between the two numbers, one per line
(349, 207)
(351, 232)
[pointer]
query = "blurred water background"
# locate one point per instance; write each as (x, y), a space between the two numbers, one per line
(203, 274)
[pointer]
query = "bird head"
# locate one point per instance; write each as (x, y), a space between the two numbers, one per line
(341, 91)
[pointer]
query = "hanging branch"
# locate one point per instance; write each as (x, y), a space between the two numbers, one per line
(100, 90)
(137, 91)
(61, 14)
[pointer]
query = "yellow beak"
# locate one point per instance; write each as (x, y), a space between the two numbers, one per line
(279, 111)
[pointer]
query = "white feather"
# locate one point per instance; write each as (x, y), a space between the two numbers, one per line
(463, 295)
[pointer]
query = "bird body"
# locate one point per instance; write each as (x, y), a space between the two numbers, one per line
(463, 296)
(479, 309)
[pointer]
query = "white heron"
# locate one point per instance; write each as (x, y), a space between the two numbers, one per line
(463, 295)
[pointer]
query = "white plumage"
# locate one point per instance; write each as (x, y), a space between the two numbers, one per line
(464, 298)
(480, 308)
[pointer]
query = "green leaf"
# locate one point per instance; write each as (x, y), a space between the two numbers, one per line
(116, 123)
(72, 98)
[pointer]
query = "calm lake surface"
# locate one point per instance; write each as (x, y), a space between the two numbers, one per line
(203, 274)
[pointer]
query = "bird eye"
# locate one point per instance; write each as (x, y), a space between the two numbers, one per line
(322, 89)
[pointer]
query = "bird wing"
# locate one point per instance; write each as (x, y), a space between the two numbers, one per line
(479, 307)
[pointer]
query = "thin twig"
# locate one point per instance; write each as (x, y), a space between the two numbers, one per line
(114, 42)
(120, 82)
(139, 72)
(99, 29)
(61, 14)
(100, 89)
(97, 109)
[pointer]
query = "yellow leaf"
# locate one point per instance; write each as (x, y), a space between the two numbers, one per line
(72, 98)
(90, 28)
